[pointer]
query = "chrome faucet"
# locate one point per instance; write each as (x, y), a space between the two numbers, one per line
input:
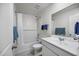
(61, 39)
(76, 37)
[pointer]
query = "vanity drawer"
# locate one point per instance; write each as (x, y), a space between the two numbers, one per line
(56, 49)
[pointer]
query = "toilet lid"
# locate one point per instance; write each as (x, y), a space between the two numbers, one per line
(37, 45)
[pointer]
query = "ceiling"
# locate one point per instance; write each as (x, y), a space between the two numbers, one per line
(30, 8)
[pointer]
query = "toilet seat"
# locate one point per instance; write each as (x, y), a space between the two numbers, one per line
(37, 46)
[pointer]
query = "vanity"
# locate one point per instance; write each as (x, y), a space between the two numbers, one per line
(52, 46)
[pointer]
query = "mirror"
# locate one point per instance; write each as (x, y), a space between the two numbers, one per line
(64, 21)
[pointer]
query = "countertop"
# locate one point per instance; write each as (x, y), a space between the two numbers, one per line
(69, 44)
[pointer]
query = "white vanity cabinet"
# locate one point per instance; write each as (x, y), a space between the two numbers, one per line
(52, 50)
(47, 52)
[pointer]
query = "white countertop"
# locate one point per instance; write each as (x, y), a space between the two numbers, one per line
(70, 45)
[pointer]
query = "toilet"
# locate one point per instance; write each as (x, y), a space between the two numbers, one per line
(37, 49)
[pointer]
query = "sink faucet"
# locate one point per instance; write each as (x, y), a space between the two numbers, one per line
(61, 39)
(76, 37)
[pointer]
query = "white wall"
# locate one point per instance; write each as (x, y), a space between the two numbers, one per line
(62, 18)
(6, 28)
(45, 16)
